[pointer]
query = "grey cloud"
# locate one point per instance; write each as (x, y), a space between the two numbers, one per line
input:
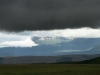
(20, 15)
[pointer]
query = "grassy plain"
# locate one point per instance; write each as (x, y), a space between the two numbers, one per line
(50, 69)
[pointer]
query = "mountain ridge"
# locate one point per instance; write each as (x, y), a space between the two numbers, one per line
(45, 59)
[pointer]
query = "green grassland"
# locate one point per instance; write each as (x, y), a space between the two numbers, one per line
(50, 69)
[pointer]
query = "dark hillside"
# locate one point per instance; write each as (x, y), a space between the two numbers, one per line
(92, 61)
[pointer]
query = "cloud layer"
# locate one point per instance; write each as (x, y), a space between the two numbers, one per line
(23, 39)
(70, 33)
(26, 43)
(20, 15)
(15, 40)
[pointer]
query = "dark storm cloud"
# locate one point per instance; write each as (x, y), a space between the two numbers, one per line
(19, 15)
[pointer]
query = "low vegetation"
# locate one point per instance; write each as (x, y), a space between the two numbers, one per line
(87, 67)
(50, 69)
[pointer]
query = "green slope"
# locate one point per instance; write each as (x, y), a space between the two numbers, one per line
(92, 61)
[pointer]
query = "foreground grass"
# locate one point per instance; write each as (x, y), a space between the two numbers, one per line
(50, 69)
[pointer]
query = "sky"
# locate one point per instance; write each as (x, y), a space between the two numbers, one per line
(22, 19)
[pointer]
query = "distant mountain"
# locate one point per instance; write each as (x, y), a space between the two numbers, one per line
(53, 46)
(45, 59)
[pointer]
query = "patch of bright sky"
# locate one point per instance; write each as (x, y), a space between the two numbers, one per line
(12, 39)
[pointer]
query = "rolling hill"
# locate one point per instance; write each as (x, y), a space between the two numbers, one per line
(92, 61)
(45, 59)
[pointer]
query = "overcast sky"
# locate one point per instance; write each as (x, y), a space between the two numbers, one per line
(22, 19)
(20, 15)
